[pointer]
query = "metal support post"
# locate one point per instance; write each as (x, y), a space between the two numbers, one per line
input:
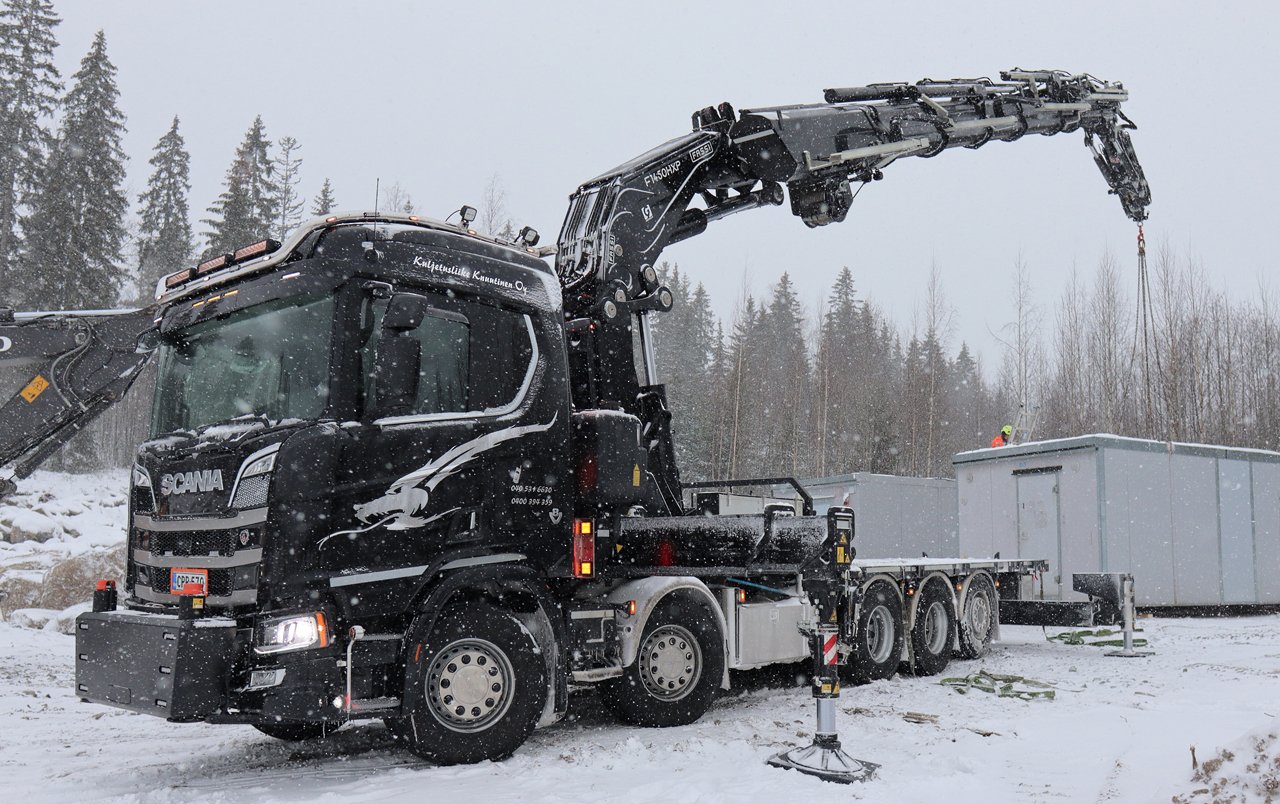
(824, 758)
(1127, 607)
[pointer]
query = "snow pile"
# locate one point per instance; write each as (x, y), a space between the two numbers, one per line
(1247, 770)
(60, 534)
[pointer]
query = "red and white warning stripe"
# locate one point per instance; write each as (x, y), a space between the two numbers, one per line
(829, 650)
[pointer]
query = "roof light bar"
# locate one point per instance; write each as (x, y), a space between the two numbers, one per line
(173, 280)
(259, 249)
(209, 266)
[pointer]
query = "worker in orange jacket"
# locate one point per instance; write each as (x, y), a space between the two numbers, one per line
(1002, 440)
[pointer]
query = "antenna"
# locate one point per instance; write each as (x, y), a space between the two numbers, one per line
(377, 191)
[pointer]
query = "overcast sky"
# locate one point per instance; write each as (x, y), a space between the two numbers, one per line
(442, 96)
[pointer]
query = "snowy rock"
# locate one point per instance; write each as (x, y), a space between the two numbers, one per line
(65, 621)
(32, 618)
(23, 524)
(72, 581)
(23, 584)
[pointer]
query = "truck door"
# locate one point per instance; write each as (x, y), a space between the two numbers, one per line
(429, 475)
(1038, 532)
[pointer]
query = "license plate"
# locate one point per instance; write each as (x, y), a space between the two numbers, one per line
(188, 581)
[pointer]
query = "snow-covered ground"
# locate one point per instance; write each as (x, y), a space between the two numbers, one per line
(1117, 730)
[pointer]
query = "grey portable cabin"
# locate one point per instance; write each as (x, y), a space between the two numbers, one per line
(896, 517)
(1196, 525)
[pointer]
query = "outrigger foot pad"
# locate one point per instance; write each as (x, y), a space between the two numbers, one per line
(825, 760)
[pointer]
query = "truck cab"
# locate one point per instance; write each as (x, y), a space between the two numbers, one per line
(335, 429)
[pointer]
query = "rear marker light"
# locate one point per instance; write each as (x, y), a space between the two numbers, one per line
(584, 549)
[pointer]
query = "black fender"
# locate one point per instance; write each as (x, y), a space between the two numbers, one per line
(516, 588)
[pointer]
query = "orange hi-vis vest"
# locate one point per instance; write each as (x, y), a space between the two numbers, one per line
(999, 441)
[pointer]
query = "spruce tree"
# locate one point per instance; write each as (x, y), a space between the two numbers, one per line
(29, 87)
(288, 199)
(73, 235)
(324, 203)
(165, 231)
(246, 210)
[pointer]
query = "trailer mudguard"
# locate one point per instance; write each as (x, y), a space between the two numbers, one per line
(647, 593)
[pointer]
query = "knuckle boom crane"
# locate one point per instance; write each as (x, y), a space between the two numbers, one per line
(620, 222)
(404, 471)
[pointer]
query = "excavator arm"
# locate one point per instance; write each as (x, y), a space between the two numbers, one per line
(619, 223)
(63, 370)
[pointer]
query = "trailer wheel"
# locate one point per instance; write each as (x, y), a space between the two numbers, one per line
(475, 687)
(932, 632)
(877, 646)
(978, 620)
(677, 668)
(294, 732)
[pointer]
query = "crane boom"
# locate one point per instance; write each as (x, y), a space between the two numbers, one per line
(619, 223)
(66, 369)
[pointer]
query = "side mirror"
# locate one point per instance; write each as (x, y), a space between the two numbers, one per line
(405, 312)
(395, 373)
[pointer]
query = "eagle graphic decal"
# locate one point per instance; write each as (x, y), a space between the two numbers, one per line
(404, 504)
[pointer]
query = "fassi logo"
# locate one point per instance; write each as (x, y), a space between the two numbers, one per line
(183, 482)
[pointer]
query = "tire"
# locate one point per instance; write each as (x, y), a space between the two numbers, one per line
(475, 687)
(933, 631)
(978, 619)
(294, 732)
(677, 670)
(877, 645)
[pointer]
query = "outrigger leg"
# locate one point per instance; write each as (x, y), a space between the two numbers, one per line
(823, 758)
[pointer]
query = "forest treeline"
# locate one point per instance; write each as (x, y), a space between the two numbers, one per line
(843, 388)
(778, 389)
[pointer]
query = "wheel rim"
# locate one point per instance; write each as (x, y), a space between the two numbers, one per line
(935, 628)
(879, 640)
(470, 684)
(977, 615)
(670, 663)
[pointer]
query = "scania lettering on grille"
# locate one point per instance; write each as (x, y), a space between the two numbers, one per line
(183, 482)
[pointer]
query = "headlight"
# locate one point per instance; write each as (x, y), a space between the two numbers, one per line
(141, 478)
(261, 466)
(292, 633)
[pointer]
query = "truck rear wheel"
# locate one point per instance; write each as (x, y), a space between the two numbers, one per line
(932, 632)
(475, 687)
(877, 646)
(677, 668)
(978, 620)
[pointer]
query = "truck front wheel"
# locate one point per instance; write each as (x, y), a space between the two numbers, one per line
(475, 687)
(877, 646)
(678, 666)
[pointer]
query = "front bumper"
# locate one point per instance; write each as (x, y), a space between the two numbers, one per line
(197, 670)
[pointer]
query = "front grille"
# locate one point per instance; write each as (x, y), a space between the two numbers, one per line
(252, 492)
(191, 542)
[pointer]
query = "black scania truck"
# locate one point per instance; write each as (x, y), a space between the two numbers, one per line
(402, 470)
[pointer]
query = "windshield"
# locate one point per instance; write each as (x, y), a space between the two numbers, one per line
(269, 360)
